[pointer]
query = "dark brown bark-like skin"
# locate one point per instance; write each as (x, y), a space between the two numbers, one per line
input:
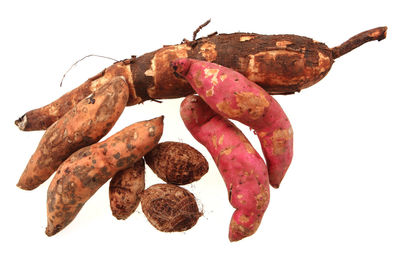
(378, 34)
(126, 188)
(86, 170)
(281, 64)
(170, 208)
(177, 163)
(83, 125)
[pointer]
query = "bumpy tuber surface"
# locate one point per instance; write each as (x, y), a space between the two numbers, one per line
(170, 208)
(242, 168)
(281, 64)
(86, 170)
(83, 125)
(233, 96)
(177, 163)
(126, 188)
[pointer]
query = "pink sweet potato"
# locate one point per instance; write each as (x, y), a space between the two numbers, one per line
(233, 96)
(242, 168)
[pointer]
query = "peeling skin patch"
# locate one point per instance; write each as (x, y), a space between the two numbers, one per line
(245, 38)
(214, 141)
(254, 104)
(324, 62)
(283, 44)
(243, 219)
(221, 140)
(208, 51)
(210, 92)
(277, 68)
(222, 77)
(152, 131)
(279, 140)
(212, 73)
(225, 107)
(197, 79)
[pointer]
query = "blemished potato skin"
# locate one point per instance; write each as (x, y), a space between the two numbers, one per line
(86, 170)
(83, 125)
(43, 117)
(170, 208)
(177, 163)
(233, 96)
(280, 64)
(242, 168)
(125, 190)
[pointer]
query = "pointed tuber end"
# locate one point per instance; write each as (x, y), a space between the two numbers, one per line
(276, 186)
(377, 34)
(21, 122)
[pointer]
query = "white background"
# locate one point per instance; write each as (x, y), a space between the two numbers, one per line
(339, 202)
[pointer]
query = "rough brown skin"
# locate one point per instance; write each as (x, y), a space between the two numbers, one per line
(170, 208)
(177, 163)
(42, 118)
(86, 170)
(281, 64)
(83, 125)
(125, 190)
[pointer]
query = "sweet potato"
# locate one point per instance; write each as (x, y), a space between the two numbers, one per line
(83, 125)
(125, 190)
(170, 208)
(281, 64)
(177, 163)
(86, 170)
(233, 96)
(242, 168)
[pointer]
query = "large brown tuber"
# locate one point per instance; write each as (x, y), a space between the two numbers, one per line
(281, 64)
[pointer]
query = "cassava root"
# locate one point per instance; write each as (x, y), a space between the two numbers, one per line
(281, 64)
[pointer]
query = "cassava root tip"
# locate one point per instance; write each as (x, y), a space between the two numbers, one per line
(21, 122)
(378, 34)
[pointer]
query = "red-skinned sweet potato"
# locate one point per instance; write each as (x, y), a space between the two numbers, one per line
(242, 168)
(86, 170)
(233, 96)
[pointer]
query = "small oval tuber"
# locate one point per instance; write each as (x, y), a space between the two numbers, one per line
(177, 163)
(170, 208)
(125, 190)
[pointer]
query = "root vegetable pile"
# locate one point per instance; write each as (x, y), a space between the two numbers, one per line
(86, 170)
(234, 76)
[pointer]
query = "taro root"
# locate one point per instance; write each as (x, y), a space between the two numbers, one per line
(125, 190)
(177, 163)
(170, 208)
